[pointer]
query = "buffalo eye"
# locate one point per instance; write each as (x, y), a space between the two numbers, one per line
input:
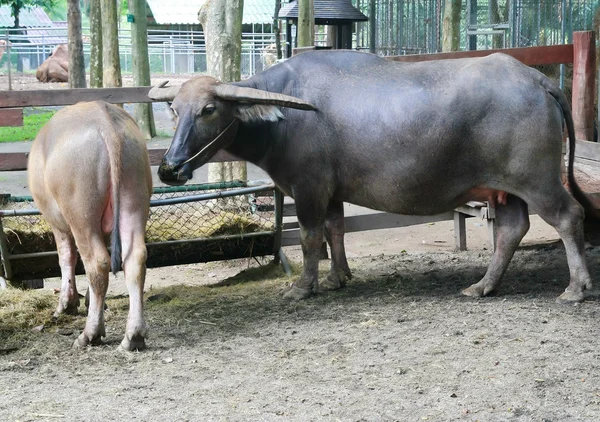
(208, 110)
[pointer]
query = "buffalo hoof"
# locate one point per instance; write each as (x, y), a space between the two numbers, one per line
(84, 341)
(568, 298)
(477, 290)
(137, 342)
(294, 293)
(334, 281)
(67, 307)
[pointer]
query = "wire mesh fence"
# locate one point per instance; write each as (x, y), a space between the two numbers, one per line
(172, 52)
(414, 26)
(196, 223)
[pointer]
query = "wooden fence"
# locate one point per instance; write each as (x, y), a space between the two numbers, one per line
(581, 54)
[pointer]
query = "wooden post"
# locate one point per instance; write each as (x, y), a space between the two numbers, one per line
(584, 84)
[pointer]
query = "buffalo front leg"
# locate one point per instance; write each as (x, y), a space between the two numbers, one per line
(68, 300)
(134, 266)
(334, 232)
(512, 223)
(97, 265)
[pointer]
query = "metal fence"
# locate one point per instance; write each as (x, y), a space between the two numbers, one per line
(194, 223)
(170, 52)
(414, 26)
(401, 27)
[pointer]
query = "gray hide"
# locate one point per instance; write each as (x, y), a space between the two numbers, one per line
(410, 138)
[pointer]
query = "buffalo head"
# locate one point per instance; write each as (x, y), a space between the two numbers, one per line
(208, 113)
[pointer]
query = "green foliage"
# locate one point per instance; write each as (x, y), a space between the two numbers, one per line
(58, 11)
(17, 5)
(31, 126)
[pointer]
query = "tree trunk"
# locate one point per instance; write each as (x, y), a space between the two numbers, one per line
(306, 23)
(111, 75)
(141, 65)
(497, 40)
(75, 47)
(451, 26)
(221, 21)
(277, 29)
(95, 44)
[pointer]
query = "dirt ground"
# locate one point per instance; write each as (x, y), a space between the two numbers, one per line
(399, 343)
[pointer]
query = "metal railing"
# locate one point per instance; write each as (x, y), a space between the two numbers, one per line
(170, 52)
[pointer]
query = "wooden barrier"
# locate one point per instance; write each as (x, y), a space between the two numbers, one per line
(11, 117)
(547, 55)
(584, 84)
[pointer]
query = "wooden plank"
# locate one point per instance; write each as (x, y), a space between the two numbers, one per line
(588, 150)
(17, 161)
(584, 84)
(61, 97)
(376, 221)
(531, 56)
(11, 117)
(13, 161)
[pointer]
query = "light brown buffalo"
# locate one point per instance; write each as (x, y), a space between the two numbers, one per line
(56, 67)
(3, 46)
(89, 174)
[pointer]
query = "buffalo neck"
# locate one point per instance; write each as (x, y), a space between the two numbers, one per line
(255, 142)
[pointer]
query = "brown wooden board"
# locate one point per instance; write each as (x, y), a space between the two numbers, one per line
(11, 117)
(17, 161)
(531, 56)
(61, 97)
(584, 84)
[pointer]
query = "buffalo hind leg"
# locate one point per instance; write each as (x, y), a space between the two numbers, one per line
(562, 212)
(512, 223)
(334, 232)
(97, 265)
(134, 267)
(311, 210)
(68, 301)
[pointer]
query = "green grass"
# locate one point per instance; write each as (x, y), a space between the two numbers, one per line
(31, 126)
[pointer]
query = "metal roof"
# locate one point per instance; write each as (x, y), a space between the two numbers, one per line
(29, 17)
(186, 11)
(327, 12)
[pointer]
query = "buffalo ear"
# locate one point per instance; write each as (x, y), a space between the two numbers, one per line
(257, 113)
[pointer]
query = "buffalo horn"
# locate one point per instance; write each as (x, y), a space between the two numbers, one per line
(257, 96)
(162, 93)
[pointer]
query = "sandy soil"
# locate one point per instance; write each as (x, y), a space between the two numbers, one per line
(398, 343)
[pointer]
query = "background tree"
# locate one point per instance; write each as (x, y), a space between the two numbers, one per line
(306, 23)
(141, 65)
(76, 63)
(96, 68)
(451, 25)
(221, 21)
(111, 75)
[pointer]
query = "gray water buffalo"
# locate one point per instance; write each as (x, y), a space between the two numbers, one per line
(90, 176)
(409, 138)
